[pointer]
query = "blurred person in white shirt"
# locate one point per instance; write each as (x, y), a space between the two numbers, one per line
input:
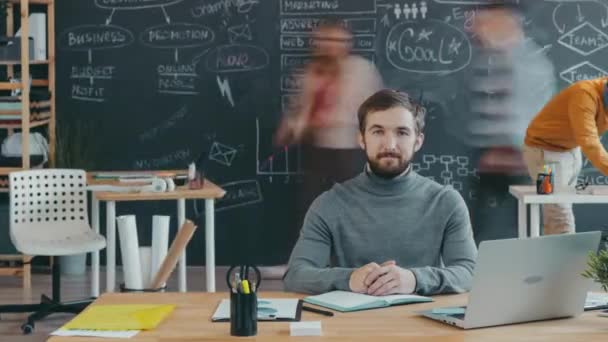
(323, 117)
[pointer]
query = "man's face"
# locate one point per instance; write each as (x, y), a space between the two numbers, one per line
(390, 141)
(332, 42)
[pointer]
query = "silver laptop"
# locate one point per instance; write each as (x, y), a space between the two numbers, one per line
(523, 280)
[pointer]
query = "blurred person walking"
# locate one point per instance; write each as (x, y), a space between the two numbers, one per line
(323, 118)
(509, 80)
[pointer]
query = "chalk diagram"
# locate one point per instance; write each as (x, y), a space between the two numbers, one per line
(451, 170)
(222, 154)
(582, 28)
(97, 37)
(236, 55)
(284, 161)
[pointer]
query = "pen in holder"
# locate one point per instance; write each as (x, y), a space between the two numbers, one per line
(243, 301)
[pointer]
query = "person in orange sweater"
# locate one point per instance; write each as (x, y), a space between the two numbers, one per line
(572, 121)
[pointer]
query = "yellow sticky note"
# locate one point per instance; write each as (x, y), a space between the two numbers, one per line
(120, 317)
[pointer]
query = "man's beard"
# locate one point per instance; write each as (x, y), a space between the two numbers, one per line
(388, 172)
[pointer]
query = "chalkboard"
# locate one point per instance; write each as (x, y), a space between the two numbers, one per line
(156, 84)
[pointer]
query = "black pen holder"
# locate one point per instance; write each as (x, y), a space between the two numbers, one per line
(243, 314)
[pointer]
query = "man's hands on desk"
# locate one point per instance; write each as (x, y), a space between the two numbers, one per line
(384, 279)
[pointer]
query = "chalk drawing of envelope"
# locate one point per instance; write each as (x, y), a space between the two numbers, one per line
(239, 32)
(222, 154)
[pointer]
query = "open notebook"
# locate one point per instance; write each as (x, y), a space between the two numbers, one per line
(349, 301)
(269, 309)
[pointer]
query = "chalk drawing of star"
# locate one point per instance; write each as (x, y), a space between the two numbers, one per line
(453, 47)
(392, 46)
(424, 34)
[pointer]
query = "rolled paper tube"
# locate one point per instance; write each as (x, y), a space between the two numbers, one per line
(129, 248)
(160, 242)
(145, 258)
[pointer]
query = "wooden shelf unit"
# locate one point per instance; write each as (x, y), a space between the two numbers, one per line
(23, 7)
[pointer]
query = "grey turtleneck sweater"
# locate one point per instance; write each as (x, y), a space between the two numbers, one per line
(423, 226)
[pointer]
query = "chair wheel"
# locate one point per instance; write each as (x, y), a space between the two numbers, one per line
(27, 328)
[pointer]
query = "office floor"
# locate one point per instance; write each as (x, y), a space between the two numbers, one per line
(77, 287)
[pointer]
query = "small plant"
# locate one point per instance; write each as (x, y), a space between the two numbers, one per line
(598, 268)
(75, 144)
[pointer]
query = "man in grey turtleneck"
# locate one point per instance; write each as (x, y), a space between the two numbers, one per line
(388, 230)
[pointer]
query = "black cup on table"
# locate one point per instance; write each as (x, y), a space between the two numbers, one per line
(243, 299)
(243, 314)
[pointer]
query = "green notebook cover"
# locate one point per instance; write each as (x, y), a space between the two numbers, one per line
(349, 301)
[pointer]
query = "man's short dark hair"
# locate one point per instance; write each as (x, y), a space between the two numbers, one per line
(387, 99)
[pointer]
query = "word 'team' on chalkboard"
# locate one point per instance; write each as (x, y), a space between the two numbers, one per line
(582, 29)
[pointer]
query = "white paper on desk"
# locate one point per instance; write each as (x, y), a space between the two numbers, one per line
(113, 188)
(160, 242)
(129, 248)
(596, 299)
(268, 309)
(96, 333)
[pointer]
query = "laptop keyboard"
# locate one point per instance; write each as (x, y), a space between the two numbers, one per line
(458, 315)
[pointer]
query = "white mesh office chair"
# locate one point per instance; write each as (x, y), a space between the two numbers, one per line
(48, 216)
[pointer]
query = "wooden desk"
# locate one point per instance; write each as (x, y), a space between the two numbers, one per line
(191, 322)
(209, 193)
(526, 194)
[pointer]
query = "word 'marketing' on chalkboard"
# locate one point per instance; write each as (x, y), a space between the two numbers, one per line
(300, 7)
